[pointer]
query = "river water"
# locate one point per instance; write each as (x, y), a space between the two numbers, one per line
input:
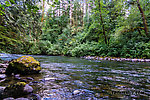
(69, 78)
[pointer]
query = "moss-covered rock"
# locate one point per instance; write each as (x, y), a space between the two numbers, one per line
(23, 65)
(17, 90)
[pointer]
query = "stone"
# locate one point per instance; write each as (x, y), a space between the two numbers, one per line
(23, 80)
(17, 78)
(2, 76)
(134, 60)
(33, 96)
(29, 78)
(22, 99)
(49, 78)
(17, 75)
(2, 88)
(142, 60)
(28, 89)
(3, 65)
(1, 91)
(75, 92)
(3, 80)
(147, 60)
(9, 98)
(17, 90)
(2, 70)
(24, 65)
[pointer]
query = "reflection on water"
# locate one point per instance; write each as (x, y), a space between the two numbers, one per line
(67, 78)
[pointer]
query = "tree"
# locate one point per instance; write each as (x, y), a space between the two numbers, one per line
(143, 18)
(101, 18)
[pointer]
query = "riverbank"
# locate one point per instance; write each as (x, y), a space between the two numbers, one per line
(115, 59)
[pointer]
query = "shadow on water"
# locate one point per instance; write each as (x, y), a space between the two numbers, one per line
(68, 78)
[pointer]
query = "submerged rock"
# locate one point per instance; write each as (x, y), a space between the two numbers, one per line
(17, 90)
(23, 65)
(1, 91)
(33, 96)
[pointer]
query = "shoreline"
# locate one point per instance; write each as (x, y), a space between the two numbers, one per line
(115, 59)
(102, 58)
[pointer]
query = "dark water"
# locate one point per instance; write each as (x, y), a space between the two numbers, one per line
(68, 78)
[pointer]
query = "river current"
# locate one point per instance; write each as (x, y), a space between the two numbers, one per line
(70, 78)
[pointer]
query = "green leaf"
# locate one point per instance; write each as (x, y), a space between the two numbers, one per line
(12, 1)
(7, 3)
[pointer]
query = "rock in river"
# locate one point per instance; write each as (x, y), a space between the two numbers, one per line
(17, 90)
(23, 65)
(75, 92)
(2, 76)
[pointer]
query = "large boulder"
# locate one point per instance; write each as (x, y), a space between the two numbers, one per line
(24, 65)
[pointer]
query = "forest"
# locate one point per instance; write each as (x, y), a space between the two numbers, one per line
(106, 28)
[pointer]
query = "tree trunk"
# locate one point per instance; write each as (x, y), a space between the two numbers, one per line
(143, 18)
(103, 26)
(43, 11)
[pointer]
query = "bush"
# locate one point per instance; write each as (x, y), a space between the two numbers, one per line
(44, 46)
(55, 50)
(84, 49)
(34, 49)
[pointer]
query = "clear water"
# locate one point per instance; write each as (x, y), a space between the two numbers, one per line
(69, 78)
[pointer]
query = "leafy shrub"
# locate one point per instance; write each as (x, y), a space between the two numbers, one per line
(84, 49)
(55, 49)
(44, 46)
(34, 49)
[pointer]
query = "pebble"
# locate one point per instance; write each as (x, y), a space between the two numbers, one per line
(35, 82)
(116, 59)
(29, 78)
(2, 80)
(10, 98)
(147, 60)
(135, 60)
(134, 96)
(17, 78)
(2, 70)
(28, 88)
(2, 76)
(50, 78)
(22, 99)
(3, 65)
(2, 89)
(33, 96)
(128, 59)
(17, 75)
(75, 92)
(97, 95)
(142, 60)
(23, 80)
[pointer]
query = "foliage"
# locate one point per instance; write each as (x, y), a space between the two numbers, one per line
(76, 28)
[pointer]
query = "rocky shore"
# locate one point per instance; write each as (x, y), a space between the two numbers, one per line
(115, 59)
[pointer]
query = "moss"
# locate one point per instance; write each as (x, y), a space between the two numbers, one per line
(15, 90)
(23, 65)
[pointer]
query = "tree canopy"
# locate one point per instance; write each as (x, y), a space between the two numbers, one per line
(117, 28)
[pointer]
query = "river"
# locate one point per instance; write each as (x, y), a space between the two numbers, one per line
(70, 78)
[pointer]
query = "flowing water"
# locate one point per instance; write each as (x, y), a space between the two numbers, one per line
(69, 78)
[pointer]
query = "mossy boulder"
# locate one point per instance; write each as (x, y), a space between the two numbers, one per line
(24, 65)
(16, 90)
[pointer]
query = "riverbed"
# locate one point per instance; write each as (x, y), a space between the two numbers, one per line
(70, 78)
